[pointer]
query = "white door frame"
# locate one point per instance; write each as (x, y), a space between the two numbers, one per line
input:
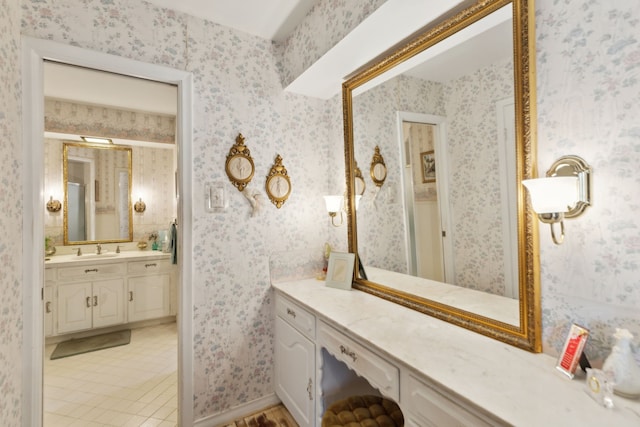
(34, 52)
(442, 172)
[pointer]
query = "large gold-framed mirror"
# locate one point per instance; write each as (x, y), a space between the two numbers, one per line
(97, 193)
(451, 234)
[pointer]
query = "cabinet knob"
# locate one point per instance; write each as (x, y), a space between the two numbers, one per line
(95, 300)
(47, 307)
(291, 313)
(130, 295)
(88, 302)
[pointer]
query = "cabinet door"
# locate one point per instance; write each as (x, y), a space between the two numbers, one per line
(74, 307)
(295, 372)
(108, 302)
(149, 297)
(48, 311)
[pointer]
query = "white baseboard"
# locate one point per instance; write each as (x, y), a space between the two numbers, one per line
(238, 412)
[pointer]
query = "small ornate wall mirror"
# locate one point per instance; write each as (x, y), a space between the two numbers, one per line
(239, 165)
(378, 168)
(278, 185)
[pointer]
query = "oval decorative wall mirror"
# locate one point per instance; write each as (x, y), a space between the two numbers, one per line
(459, 240)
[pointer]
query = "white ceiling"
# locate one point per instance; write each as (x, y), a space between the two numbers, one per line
(269, 19)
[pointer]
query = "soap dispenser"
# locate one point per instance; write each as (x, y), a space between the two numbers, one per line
(623, 365)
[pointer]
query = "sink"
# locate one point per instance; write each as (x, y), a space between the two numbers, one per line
(96, 256)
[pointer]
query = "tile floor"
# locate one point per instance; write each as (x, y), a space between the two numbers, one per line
(130, 385)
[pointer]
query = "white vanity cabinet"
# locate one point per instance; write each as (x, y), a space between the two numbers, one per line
(80, 295)
(149, 289)
(89, 296)
(48, 299)
(430, 406)
(295, 368)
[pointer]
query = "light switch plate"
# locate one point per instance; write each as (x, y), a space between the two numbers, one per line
(215, 197)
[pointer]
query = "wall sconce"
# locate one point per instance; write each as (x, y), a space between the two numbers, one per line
(140, 206)
(564, 193)
(335, 204)
(53, 205)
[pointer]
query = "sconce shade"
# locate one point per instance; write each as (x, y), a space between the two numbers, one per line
(334, 203)
(554, 194)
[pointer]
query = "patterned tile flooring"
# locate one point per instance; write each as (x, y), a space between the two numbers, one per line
(126, 386)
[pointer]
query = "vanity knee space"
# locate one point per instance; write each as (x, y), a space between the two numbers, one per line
(317, 364)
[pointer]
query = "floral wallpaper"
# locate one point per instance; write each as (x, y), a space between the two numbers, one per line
(324, 26)
(588, 91)
(587, 58)
(96, 120)
(11, 341)
(232, 93)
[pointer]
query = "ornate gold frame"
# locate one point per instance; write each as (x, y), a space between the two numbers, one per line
(239, 150)
(65, 173)
(278, 172)
(527, 334)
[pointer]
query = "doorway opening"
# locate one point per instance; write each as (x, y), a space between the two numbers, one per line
(36, 52)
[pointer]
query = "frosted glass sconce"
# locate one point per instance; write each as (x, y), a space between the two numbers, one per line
(564, 193)
(335, 205)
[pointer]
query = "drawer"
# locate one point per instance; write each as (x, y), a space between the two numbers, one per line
(427, 407)
(149, 266)
(90, 271)
(297, 316)
(380, 373)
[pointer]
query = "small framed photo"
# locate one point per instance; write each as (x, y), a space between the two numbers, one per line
(428, 166)
(572, 350)
(340, 270)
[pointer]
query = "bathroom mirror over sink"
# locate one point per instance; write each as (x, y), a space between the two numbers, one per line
(451, 232)
(97, 193)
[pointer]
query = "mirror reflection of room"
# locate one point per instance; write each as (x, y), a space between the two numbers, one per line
(447, 127)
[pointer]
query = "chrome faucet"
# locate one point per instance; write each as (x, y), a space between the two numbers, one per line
(79, 252)
(98, 249)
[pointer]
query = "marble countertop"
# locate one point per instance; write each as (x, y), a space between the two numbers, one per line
(506, 310)
(519, 387)
(110, 256)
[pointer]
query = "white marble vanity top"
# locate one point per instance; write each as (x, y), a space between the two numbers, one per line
(506, 310)
(110, 256)
(521, 388)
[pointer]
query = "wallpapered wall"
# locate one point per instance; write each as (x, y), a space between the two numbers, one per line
(328, 22)
(588, 92)
(108, 122)
(588, 54)
(11, 216)
(237, 89)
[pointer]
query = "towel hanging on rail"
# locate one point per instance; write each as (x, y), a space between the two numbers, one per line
(173, 242)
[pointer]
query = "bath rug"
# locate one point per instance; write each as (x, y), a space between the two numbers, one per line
(88, 344)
